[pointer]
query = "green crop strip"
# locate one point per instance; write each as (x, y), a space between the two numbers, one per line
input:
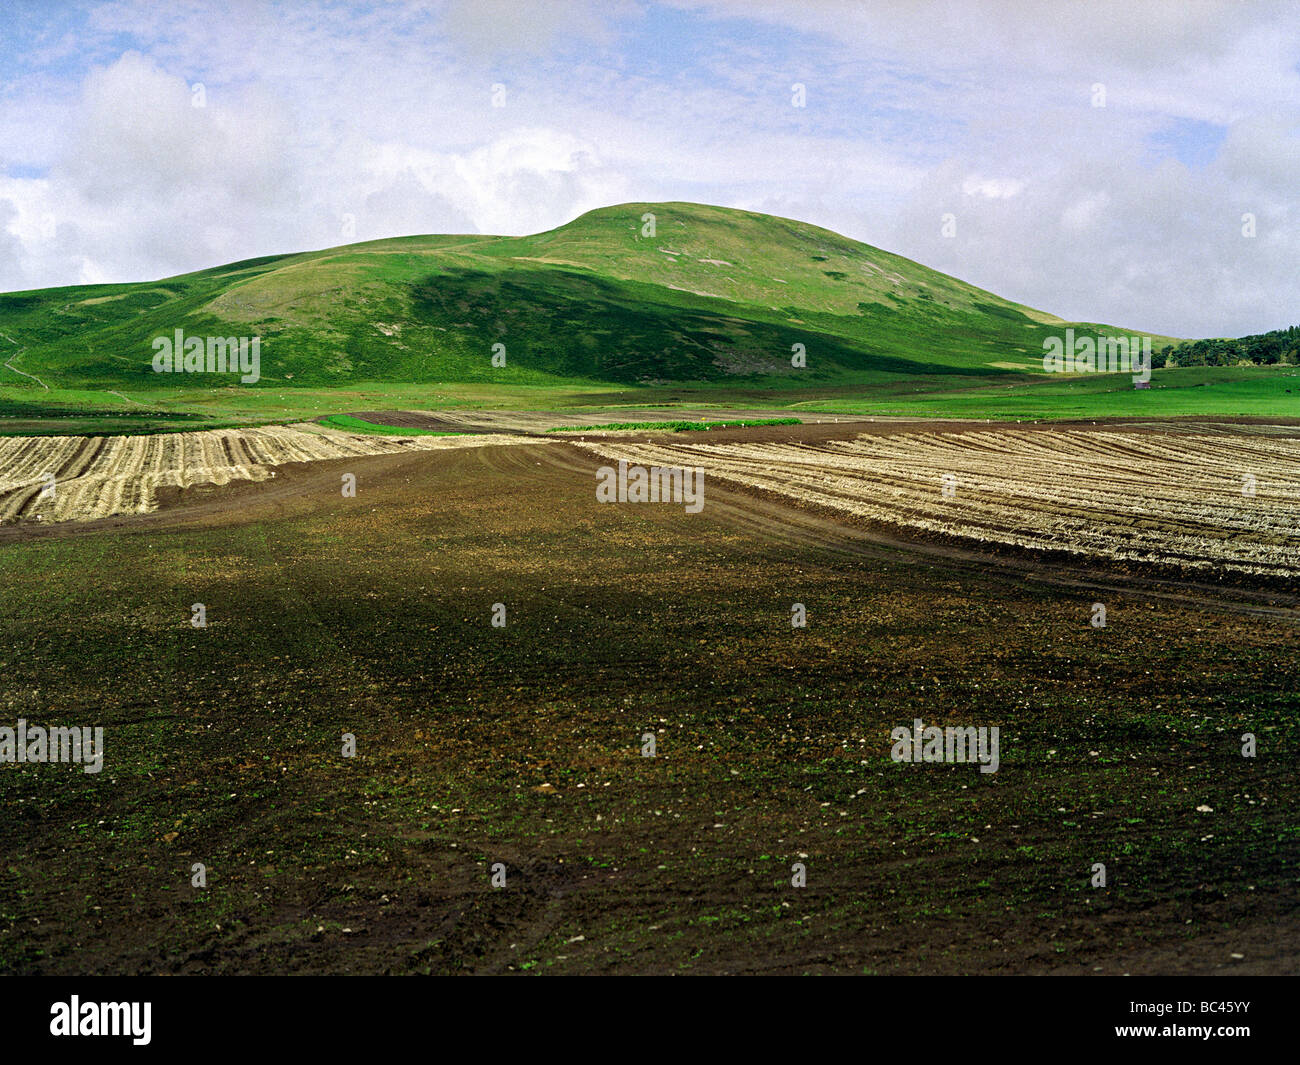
(350, 424)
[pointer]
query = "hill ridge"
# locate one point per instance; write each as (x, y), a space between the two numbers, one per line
(698, 293)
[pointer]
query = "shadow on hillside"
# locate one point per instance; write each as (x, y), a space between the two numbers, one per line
(575, 324)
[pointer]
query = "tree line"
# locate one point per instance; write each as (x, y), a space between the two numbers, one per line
(1263, 349)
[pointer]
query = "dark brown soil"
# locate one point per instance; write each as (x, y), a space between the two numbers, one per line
(479, 745)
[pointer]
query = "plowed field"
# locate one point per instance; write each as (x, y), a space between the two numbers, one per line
(1202, 501)
(95, 477)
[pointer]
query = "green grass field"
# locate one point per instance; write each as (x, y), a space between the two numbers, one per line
(1175, 392)
(1266, 391)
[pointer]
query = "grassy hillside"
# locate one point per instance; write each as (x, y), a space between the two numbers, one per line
(717, 295)
(594, 313)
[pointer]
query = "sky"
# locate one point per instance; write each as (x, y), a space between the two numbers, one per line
(1104, 161)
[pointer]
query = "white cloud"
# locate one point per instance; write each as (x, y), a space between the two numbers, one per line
(382, 113)
(991, 188)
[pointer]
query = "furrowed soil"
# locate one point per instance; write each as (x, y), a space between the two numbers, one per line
(1217, 503)
(522, 745)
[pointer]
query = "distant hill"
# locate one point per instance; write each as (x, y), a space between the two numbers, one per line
(714, 295)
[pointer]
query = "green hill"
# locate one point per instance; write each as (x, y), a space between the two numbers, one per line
(715, 296)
